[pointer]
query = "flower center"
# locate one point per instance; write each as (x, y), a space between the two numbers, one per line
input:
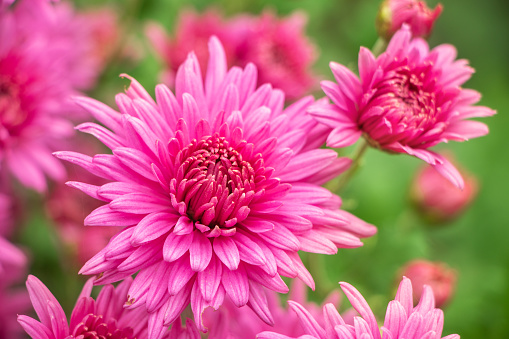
(95, 327)
(409, 105)
(214, 184)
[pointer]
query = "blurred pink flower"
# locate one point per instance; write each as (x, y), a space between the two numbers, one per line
(104, 317)
(277, 46)
(218, 187)
(13, 266)
(407, 100)
(394, 13)
(402, 319)
(437, 199)
(237, 323)
(436, 275)
(34, 110)
(280, 50)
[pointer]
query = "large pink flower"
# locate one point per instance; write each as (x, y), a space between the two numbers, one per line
(402, 319)
(104, 317)
(218, 187)
(406, 101)
(34, 91)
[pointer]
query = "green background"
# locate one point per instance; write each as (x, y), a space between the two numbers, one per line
(474, 245)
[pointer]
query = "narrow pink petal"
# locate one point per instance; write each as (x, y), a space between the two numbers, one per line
(307, 163)
(176, 245)
(105, 216)
(152, 226)
(332, 319)
(307, 321)
(216, 69)
(40, 297)
(404, 295)
(359, 303)
(249, 251)
(395, 318)
(200, 252)
(139, 203)
(34, 329)
(104, 135)
(236, 285)
(448, 171)
(103, 113)
(209, 278)
(341, 137)
(135, 160)
(227, 252)
(465, 129)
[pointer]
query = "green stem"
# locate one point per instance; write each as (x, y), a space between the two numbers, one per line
(379, 47)
(356, 162)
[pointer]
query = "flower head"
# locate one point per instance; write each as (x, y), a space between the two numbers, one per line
(104, 317)
(218, 187)
(437, 199)
(402, 319)
(406, 101)
(394, 13)
(436, 275)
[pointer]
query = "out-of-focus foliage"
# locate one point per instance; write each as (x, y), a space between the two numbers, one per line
(474, 245)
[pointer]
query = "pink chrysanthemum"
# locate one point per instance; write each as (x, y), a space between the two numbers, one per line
(406, 101)
(13, 300)
(402, 319)
(34, 91)
(280, 50)
(104, 317)
(394, 13)
(218, 186)
(278, 47)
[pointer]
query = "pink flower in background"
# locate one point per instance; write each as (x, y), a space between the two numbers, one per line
(402, 319)
(34, 110)
(277, 46)
(280, 50)
(407, 100)
(437, 199)
(104, 317)
(233, 322)
(394, 13)
(192, 34)
(218, 188)
(13, 300)
(436, 275)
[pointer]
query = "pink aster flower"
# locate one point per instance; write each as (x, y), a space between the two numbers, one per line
(104, 317)
(394, 13)
(402, 319)
(13, 300)
(436, 275)
(280, 50)
(34, 91)
(406, 100)
(438, 200)
(217, 186)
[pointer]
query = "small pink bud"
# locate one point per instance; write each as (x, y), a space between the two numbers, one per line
(394, 13)
(437, 199)
(437, 275)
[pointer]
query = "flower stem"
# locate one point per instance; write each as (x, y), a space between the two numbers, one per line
(379, 47)
(356, 162)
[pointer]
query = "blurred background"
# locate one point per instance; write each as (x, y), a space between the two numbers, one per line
(474, 244)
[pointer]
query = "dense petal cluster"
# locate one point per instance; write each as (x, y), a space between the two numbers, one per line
(394, 13)
(278, 47)
(402, 319)
(217, 186)
(406, 100)
(104, 317)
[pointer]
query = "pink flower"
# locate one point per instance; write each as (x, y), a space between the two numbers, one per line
(278, 47)
(406, 101)
(34, 91)
(402, 319)
(436, 275)
(437, 199)
(394, 13)
(218, 188)
(13, 300)
(104, 317)
(233, 322)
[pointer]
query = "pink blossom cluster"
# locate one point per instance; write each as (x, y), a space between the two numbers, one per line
(278, 47)
(207, 196)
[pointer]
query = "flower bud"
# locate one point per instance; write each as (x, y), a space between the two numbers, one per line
(437, 199)
(436, 275)
(394, 13)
